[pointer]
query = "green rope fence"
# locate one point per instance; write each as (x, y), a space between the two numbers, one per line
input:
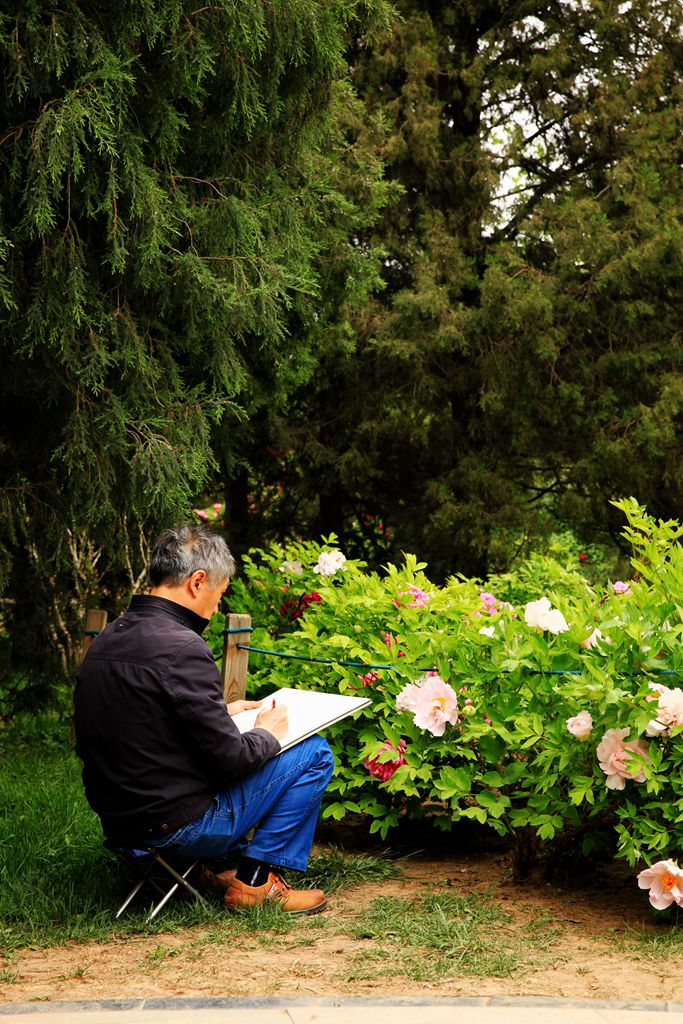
(428, 668)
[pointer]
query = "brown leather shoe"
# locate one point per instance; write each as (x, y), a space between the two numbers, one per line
(208, 879)
(292, 901)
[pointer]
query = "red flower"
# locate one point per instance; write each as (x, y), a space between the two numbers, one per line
(384, 771)
(369, 678)
(390, 640)
(583, 556)
(290, 609)
(294, 607)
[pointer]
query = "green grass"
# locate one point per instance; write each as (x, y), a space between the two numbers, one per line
(56, 882)
(443, 935)
(332, 870)
(655, 946)
(59, 884)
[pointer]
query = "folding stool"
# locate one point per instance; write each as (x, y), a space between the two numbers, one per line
(147, 862)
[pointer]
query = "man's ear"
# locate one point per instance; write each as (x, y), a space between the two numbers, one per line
(197, 581)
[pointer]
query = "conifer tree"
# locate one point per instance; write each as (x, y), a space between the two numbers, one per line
(525, 354)
(170, 189)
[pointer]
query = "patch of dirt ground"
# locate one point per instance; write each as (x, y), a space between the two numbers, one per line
(589, 947)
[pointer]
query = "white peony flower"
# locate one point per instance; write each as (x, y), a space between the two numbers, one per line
(555, 622)
(541, 615)
(292, 566)
(535, 612)
(329, 562)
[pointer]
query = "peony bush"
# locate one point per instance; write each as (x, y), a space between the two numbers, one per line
(538, 704)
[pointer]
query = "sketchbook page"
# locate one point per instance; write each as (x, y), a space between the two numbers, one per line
(309, 711)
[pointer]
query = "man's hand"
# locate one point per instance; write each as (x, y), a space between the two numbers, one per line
(236, 706)
(273, 720)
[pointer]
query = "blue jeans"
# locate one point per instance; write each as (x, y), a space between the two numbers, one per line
(281, 800)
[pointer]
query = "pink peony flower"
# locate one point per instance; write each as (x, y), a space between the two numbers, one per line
(670, 706)
(384, 770)
(489, 602)
(581, 725)
(420, 597)
(591, 640)
(540, 615)
(407, 698)
(614, 756)
(433, 702)
(620, 587)
(200, 512)
(665, 882)
(669, 709)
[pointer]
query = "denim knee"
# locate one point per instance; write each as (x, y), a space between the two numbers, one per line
(324, 757)
(327, 758)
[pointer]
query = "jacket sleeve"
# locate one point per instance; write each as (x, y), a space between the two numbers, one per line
(193, 685)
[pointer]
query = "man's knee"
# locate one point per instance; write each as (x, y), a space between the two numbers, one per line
(327, 757)
(318, 749)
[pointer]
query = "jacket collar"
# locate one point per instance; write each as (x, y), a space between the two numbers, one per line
(148, 603)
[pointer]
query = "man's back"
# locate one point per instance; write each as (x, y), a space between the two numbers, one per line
(152, 728)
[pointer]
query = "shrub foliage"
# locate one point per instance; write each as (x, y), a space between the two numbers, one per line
(509, 760)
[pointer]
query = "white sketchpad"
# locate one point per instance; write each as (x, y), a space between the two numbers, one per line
(309, 711)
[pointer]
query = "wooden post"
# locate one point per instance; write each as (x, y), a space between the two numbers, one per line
(95, 621)
(235, 661)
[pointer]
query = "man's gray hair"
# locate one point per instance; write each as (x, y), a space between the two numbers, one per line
(183, 550)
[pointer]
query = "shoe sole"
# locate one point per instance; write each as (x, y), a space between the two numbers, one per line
(311, 910)
(318, 909)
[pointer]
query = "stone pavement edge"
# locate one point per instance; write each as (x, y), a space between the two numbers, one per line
(331, 1010)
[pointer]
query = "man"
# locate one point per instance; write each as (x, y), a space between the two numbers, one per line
(164, 763)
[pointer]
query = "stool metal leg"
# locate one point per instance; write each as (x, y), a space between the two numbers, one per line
(130, 897)
(181, 880)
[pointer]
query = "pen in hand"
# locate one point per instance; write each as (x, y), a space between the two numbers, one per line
(273, 719)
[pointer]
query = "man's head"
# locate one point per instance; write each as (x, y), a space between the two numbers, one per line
(192, 566)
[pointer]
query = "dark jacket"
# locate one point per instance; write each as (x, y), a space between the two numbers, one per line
(152, 728)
